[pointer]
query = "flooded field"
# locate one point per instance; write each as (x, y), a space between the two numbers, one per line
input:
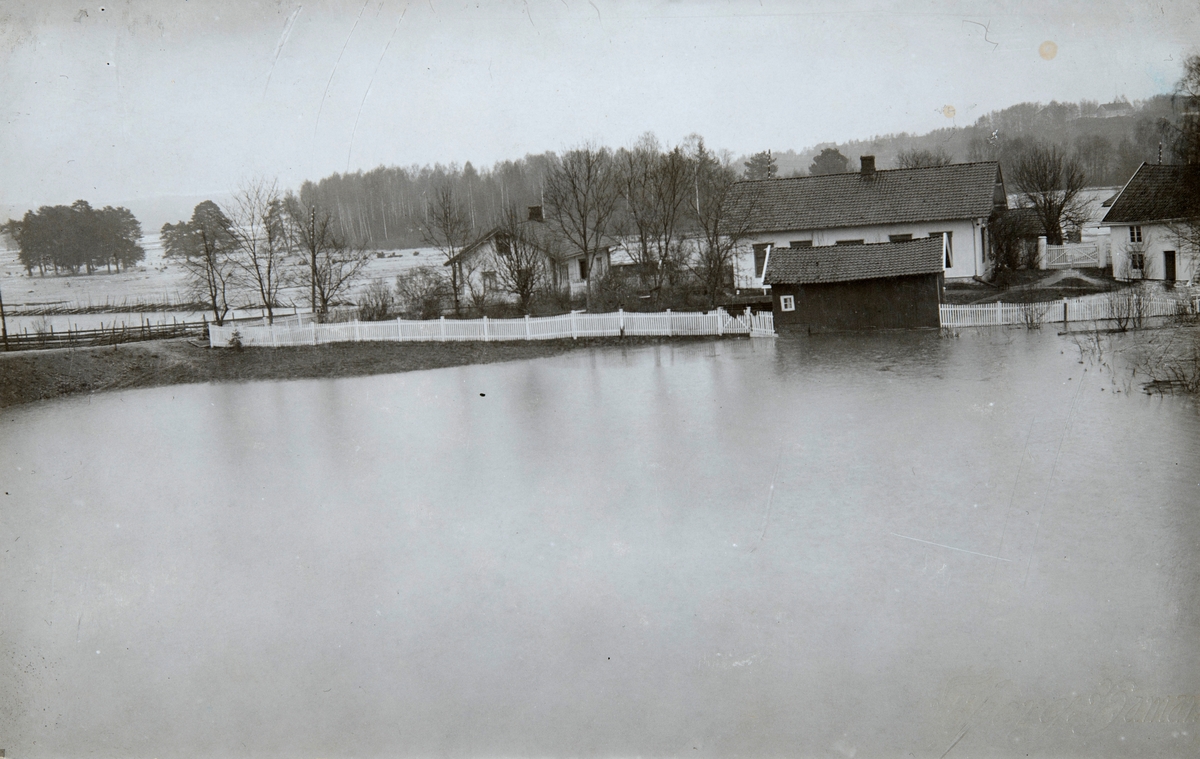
(156, 280)
(841, 546)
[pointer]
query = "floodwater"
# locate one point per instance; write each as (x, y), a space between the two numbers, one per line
(858, 546)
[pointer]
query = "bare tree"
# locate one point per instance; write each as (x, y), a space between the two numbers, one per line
(420, 292)
(581, 191)
(446, 225)
(331, 263)
(264, 239)
(723, 209)
(478, 289)
(1186, 231)
(656, 188)
(205, 248)
(376, 302)
(521, 262)
(915, 158)
(1183, 131)
(1050, 182)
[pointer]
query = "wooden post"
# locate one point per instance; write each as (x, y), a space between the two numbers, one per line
(1064, 312)
(574, 335)
(485, 332)
(670, 327)
(442, 325)
(528, 336)
(3, 325)
(621, 320)
(999, 319)
(720, 323)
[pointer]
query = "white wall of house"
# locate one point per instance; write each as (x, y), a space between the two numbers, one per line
(1156, 240)
(967, 259)
(482, 269)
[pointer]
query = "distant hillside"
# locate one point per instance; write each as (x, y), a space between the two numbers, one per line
(1111, 139)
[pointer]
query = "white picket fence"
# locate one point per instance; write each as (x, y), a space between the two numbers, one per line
(573, 325)
(1088, 308)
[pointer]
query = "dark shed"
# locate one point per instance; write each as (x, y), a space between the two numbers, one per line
(894, 285)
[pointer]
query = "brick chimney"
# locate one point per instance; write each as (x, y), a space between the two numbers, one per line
(535, 213)
(868, 166)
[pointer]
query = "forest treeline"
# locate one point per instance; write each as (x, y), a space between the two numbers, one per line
(385, 207)
(1110, 140)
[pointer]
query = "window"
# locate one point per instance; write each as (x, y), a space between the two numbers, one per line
(949, 238)
(1135, 234)
(800, 244)
(850, 242)
(489, 280)
(503, 247)
(787, 303)
(899, 238)
(583, 268)
(1137, 261)
(760, 258)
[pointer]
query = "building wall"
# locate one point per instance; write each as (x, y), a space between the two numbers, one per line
(969, 259)
(1156, 239)
(563, 274)
(892, 303)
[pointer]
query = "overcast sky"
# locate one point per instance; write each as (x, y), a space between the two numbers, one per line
(136, 98)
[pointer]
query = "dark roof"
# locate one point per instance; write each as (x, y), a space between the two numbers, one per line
(934, 193)
(1157, 192)
(846, 263)
(547, 236)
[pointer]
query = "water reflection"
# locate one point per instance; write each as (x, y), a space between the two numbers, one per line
(839, 545)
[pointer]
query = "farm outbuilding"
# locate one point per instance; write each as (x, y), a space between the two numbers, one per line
(894, 285)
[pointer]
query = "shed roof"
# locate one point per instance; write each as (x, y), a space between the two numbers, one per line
(934, 193)
(1157, 192)
(847, 263)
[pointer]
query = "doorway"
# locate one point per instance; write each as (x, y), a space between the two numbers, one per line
(1169, 265)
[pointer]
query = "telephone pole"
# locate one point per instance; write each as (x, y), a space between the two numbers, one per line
(312, 249)
(3, 322)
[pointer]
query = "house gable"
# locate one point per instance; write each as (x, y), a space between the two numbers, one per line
(1157, 192)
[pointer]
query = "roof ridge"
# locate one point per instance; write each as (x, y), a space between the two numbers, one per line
(877, 171)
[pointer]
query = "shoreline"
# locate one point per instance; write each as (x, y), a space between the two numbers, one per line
(30, 376)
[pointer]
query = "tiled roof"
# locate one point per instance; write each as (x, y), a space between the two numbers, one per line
(1157, 192)
(846, 263)
(935, 193)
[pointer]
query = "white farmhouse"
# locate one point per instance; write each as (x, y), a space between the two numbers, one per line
(1155, 221)
(871, 206)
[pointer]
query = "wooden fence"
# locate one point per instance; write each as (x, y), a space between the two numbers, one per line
(80, 338)
(572, 325)
(1073, 255)
(1120, 306)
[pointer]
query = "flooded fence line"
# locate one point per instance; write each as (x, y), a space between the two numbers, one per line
(1119, 306)
(82, 338)
(573, 325)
